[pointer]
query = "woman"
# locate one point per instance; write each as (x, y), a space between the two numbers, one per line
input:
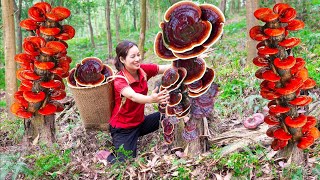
(128, 121)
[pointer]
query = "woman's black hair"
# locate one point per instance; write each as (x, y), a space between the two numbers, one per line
(122, 51)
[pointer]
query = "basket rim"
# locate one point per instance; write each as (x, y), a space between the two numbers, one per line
(88, 87)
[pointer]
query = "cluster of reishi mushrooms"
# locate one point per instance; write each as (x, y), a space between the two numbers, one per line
(284, 78)
(188, 30)
(90, 72)
(43, 63)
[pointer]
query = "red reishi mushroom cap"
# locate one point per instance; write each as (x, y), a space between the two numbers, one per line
(214, 15)
(196, 86)
(274, 31)
(267, 85)
(257, 34)
(291, 86)
(270, 95)
(36, 14)
(168, 138)
(281, 134)
(48, 109)
(29, 24)
(195, 52)
(44, 65)
(169, 77)
(308, 84)
(66, 33)
(161, 50)
(196, 68)
(300, 63)
(57, 95)
(52, 31)
(271, 120)
(182, 75)
(290, 42)
(170, 111)
(271, 130)
(88, 73)
(57, 45)
(24, 58)
(303, 74)
(58, 13)
(183, 29)
(27, 83)
(18, 96)
(275, 109)
(314, 132)
(175, 98)
(297, 122)
(59, 105)
(278, 144)
(265, 14)
(24, 114)
(311, 122)
(70, 79)
(269, 75)
(31, 48)
(280, 7)
(301, 100)
(197, 94)
(37, 40)
(287, 15)
(268, 51)
(207, 78)
(106, 71)
(30, 75)
(34, 97)
(167, 126)
(259, 72)
(44, 6)
(295, 25)
(15, 107)
(24, 88)
(286, 63)
(305, 142)
(52, 84)
(183, 107)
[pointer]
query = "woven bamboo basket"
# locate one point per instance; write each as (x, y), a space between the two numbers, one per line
(95, 105)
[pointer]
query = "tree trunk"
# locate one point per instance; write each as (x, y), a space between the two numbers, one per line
(90, 29)
(17, 9)
(251, 6)
(109, 38)
(222, 6)
(134, 16)
(232, 6)
(117, 21)
(9, 46)
(40, 129)
(143, 27)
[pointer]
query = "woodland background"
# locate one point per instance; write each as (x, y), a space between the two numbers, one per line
(100, 25)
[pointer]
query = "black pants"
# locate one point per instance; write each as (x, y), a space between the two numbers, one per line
(129, 137)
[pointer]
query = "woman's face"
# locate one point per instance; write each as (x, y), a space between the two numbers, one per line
(132, 61)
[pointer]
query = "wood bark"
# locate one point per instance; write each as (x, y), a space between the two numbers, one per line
(17, 10)
(134, 16)
(223, 5)
(9, 46)
(90, 28)
(109, 38)
(116, 14)
(251, 6)
(143, 19)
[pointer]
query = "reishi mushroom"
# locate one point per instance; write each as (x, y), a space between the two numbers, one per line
(284, 76)
(44, 60)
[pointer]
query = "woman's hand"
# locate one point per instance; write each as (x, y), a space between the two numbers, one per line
(162, 97)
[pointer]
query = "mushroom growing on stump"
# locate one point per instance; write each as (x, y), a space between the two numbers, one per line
(43, 64)
(188, 30)
(284, 77)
